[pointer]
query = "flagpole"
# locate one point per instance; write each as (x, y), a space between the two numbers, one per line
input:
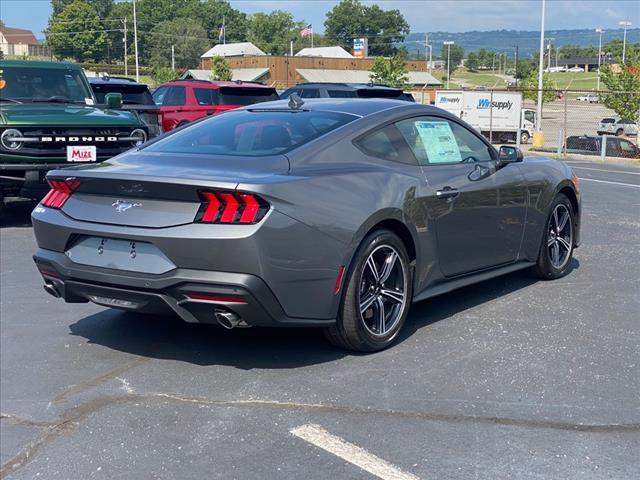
(311, 36)
(224, 31)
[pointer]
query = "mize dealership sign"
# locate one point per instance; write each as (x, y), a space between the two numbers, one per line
(360, 47)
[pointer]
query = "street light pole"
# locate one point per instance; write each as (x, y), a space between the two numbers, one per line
(624, 25)
(540, 67)
(448, 44)
(124, 40)
(135, 40)
(516, 67)
(600, 31)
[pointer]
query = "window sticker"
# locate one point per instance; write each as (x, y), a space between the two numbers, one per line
(439, 142)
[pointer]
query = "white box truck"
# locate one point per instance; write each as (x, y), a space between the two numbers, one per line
(498, 115)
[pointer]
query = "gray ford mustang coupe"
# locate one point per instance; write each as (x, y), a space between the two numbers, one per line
(330, 213)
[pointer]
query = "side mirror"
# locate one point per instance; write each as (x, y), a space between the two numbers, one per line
(113, 100)
(508, 155)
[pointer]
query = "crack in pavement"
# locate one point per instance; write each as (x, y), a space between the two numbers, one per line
(71, 418)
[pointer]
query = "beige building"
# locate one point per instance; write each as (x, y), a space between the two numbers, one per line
(18, 42)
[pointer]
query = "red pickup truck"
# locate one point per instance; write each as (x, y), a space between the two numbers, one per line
(183, 101)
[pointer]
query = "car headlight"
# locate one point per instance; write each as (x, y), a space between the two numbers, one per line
(6, 141)
(141, 134)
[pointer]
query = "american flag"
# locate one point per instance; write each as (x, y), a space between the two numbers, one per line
(306, 31)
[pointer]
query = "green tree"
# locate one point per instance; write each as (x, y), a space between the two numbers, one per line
(524, 69)
(214, 12)
(220, 69)
(351, 19)
(273, 31)
(390, 71)
(188, 38)
(529, 87)
(162, 75)
(456, 55)
(624, 86)
(102, 6)
(472, 62)
(77, 32)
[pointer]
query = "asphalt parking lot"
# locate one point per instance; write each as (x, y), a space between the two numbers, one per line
(511, 378)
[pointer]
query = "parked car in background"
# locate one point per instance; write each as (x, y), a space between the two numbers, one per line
(346, 90)
(617, 126)
(184, 101)
(591, 98)
(592, 145)
(575, 69)
(136, 97)
(49, 119)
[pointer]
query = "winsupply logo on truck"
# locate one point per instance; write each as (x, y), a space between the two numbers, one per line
(449, 99)
(486, 103)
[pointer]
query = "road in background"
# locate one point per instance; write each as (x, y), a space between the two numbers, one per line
(510, 378)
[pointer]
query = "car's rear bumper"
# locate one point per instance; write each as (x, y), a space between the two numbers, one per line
(194, 295)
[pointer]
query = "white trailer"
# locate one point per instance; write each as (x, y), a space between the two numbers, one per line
(498, 115)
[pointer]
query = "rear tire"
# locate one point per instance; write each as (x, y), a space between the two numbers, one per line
(524, 137)
(377, 295)
(619, 132)
(556, 248)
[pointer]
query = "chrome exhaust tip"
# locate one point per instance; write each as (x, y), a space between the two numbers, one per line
(229, 320)
(51, 290)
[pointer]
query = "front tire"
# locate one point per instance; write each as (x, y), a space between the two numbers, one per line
(377, 295)
(524, 137)
(619, 132)
(556, 249)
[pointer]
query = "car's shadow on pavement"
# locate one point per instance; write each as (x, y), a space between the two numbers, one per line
(166, 337)
(16, 213)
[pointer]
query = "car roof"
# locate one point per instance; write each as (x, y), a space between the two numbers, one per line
(214, 84)
(39, 64)
(361, 107)
(112, 81)
(345, 86)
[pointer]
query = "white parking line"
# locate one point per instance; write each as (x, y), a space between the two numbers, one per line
(611, 171)
(368, 462)
(582, 179)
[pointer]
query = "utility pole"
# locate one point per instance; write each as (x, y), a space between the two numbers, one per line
(540, 67)
(516, 67)
(549, 40)
(135, 40)
(448, 44)
(124, 40)
(600, 31)
(173, 58)
(291, 48)
(624, 25)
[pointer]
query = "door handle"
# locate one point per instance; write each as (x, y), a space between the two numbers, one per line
(210, 112)
(447, 192)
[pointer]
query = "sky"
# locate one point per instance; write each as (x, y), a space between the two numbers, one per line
(422, 15)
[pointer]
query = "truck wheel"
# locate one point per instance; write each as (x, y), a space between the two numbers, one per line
(524, 137)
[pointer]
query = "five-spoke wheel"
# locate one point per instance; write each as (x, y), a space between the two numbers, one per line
(556, 252)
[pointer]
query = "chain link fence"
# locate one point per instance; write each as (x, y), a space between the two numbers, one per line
(574, 123)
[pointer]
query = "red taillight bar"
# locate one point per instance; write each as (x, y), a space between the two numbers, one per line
(60, 192)
(231, 208)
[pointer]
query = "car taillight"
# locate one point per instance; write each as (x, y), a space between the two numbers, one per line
(60, 192)
(231, 208)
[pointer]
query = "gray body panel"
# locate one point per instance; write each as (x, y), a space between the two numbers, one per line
(324, 198)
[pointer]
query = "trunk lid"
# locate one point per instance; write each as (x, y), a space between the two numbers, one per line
(158, 190)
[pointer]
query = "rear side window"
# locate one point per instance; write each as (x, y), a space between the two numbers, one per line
(378, 93)
(252, 133)
(206, 96)
(341, 93)
(309, 93)
(246, 96)
(608, 120)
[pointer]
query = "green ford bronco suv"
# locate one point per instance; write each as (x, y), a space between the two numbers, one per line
(49, 119)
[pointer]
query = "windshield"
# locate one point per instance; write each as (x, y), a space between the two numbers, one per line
(251, 133)
(131, 94)
(27, 84)
(246, 96)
